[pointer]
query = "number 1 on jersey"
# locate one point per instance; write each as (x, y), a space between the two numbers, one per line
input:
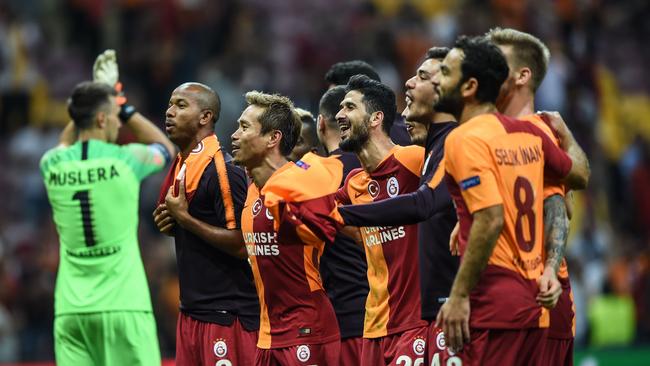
(84, 202)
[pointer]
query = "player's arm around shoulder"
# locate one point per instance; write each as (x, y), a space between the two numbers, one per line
(580, 172)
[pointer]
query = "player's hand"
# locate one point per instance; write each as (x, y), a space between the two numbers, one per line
(453, 317)
(550, 289)
(177, 205)
(453, 240)
(163, 220)
(557, 124)
(105, 68)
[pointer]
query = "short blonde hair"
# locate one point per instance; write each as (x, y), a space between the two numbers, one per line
(528, 51)
(279, 114)
(304, 114)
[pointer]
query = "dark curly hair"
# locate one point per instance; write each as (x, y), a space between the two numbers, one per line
(376, 97)
(485, 62)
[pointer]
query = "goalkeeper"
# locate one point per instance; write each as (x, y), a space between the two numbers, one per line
(102, 307)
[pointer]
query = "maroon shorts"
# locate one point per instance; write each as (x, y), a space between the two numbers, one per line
(504, 347)
(405, 348)
(202, 343)
(559, 352)
(436, 352)
(326, 354)
(351, 351)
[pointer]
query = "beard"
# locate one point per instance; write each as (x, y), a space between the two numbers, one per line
(357, 138)
(451, 103)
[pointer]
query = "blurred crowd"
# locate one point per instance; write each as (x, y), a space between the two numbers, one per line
(597, 79)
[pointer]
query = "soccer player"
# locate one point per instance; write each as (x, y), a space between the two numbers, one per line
(343, 264)
(102, 306)
(527, 59)
(308, 140)
(495, 165)
(341, 72)
(288, 217)
(393, 331)
(200, 205)
(430, 205)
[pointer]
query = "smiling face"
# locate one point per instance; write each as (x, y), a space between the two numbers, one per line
(248, 142)
(420, 92)
(448, 84)
(353, 122)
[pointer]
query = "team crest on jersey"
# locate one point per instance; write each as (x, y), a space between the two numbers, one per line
(220, 348)
(303, 353)
(418, 345)
(392, 187)
(268, 215)
(373, 188)
(198, 148)
(441, 343)
(256, 207)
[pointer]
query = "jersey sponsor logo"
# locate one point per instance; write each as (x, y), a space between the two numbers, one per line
(256, 207)
(376, 235)
(522, 155)
(94, 252)
(262, 249)
(373, 189)
(303, 353)
(470, 182)
(220, 348)
(198, 148)
(268, 215)
(418, 346)
(392, 187)
(81, 177)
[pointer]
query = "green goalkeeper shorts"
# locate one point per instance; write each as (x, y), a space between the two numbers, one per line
(109, 338)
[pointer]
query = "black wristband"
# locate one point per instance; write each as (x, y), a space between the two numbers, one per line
(126, 112)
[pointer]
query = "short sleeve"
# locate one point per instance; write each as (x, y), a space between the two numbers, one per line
(469, 163)
(146, 159)
(412, 157)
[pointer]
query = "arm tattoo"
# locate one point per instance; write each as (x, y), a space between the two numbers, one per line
(556, 230)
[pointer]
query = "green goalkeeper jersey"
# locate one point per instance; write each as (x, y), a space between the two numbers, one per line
(94, 187)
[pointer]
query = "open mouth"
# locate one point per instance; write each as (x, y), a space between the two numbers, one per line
(234, 149)
(409, 126)
(344, 128)
(408, 100)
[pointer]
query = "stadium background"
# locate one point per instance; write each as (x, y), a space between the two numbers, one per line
(597, 79)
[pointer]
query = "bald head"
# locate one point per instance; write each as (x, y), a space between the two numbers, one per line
(204, 96)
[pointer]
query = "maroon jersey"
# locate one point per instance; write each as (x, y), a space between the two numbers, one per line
(394, 302)
(285, 226)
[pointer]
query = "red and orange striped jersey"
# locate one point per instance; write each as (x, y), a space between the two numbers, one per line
(285, 227)
(493, 160)
(394, 302)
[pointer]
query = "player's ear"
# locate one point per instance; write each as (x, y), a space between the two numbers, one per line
(274, 138)
(523, 76)
(469, 88)
(101, 119)
(206, 117)
(376, 118)
(320, 124)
